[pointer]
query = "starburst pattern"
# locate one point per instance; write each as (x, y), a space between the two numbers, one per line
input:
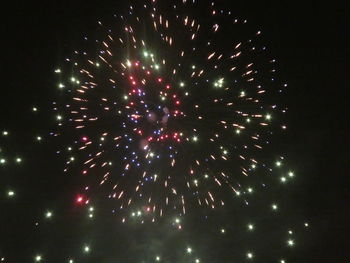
(170, 109)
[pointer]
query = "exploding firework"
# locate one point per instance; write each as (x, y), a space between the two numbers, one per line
(171, 108)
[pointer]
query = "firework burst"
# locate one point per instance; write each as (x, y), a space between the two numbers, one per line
(168, 109)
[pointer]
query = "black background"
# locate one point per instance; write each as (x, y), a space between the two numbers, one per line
(310, 44)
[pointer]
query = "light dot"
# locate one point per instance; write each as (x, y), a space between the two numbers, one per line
(79, 199)
(48, 214)
(38, 258)
(18, 160)
(290, 242)
(249, 255)
(10, 193)
(189, 250)
(250, 227)
(86, 249)
(2, 161)
(157, 258)
(5, 133)
(274, 206)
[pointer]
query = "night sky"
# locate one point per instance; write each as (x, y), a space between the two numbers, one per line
(309, 42)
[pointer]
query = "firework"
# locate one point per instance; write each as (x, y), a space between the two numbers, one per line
(168, 128)
(170, 109)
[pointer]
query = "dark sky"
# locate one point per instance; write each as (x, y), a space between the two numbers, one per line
(310, 43)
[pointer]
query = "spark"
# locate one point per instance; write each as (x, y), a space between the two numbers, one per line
(38, 258)
(86, 249)
(48, 214)
(249, 255)
(290, 242)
